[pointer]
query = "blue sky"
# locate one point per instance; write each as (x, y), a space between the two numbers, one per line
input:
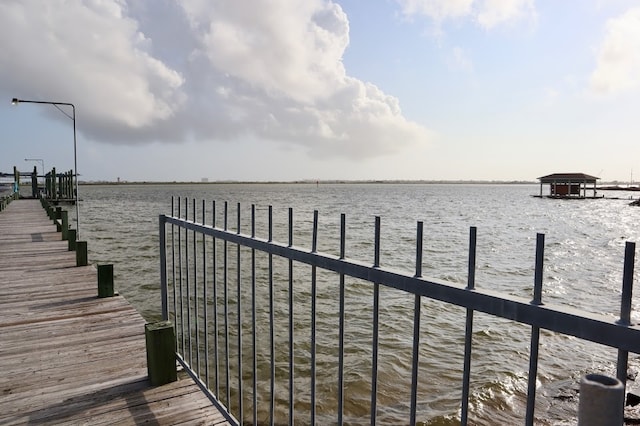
(314, 89)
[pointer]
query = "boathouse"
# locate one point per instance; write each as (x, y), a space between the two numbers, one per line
(569, 185)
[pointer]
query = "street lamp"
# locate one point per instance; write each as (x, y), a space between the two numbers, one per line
(16, 101)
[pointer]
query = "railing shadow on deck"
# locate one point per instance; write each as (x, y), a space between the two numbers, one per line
(244, 358)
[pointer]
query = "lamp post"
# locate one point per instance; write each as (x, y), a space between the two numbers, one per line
(16, 101)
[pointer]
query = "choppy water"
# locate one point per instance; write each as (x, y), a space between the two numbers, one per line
(583, 268)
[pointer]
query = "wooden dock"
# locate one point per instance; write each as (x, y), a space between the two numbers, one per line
(66, 356)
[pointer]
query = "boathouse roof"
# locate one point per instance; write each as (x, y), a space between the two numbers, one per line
(568, 177)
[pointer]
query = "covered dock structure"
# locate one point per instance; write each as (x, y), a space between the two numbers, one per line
(569, 185)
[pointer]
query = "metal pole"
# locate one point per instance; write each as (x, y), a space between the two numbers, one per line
(75, 170)
(16, 101)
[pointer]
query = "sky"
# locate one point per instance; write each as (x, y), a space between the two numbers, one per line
(285, 90)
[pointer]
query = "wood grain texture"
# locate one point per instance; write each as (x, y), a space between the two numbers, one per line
(68, 357)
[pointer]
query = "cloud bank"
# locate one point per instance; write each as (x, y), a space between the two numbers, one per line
(199, 70)
(488, 14)
(618, 56)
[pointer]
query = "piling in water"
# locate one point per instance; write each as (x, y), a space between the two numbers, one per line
(601, 401)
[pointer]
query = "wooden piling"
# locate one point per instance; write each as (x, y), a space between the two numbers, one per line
(65, 225)
(161, 355)
(105, 281)
(81, 253)
(71, 234)
(58, 216)
(54, 191)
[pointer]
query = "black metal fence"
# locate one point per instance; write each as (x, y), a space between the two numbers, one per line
(223, 350)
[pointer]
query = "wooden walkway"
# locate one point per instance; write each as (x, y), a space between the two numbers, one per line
(67, 357)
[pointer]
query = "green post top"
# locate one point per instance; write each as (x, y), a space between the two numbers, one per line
(158, 325)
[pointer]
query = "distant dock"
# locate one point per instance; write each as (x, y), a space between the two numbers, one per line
(68, 357)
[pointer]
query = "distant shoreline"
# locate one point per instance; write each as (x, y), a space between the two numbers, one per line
(318, 182)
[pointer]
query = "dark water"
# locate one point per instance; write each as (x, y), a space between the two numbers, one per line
(585, 242)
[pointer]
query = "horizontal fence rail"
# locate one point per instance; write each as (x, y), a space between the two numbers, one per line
(219, 345)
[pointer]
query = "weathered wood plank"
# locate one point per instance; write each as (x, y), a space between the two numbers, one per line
(66, 356)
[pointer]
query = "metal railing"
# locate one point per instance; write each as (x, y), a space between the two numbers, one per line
(198, 265)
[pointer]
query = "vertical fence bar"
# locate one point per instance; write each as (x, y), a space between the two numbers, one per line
(341, 326)
(187, 262)
(216, 359)
(239, 295)
(291, 348)
(535, 332)
(206, 298)
(314, 290)
(164, 294)
(173, 270)
(182, 350)
(195, 291)
(272, 347)
(625, 306)
(416, 329)
(375, 334)
(468, 332)
(254, 354)
(226, 305)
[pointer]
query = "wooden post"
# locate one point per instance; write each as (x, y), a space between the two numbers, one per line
(54, 191)
(34, 182)
(161, 354)
(81, 253)
(58, 216)
(16, 183)
(71, 234)
(105, 281)
(65, 225)
(49, 185)
(60, 186)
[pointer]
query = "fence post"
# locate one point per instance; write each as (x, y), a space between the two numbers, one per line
(81, 253)
(601, 401)
(105, 281)
(161, 355)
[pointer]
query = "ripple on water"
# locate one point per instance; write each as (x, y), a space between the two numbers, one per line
(583, 268)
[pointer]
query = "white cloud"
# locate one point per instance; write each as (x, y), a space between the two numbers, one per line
(86, 50)
(459, 60)
(438, 10)
(495, 12)
(618, 56)
(171, 71)
(486, 13)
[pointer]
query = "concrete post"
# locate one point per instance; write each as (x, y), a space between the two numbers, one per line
(601, 401)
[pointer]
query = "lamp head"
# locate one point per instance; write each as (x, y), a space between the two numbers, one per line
(15, 101)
